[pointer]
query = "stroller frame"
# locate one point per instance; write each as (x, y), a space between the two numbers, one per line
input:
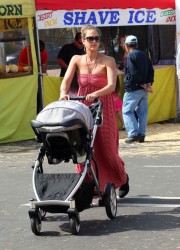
(67, 203)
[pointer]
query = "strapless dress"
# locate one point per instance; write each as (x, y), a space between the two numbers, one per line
(110, 165)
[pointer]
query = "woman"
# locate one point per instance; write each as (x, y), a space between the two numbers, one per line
(97, 78)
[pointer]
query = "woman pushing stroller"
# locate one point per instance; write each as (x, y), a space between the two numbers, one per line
(97, 78)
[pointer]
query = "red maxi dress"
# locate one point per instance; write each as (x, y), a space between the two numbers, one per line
(110, 165)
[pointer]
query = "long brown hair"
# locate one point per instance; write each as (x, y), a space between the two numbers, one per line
(117, 88)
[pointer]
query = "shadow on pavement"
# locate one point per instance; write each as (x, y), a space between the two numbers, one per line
(145, 221)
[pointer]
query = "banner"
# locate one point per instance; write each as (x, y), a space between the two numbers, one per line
(13, 24)
(17, 8)
(47, 19)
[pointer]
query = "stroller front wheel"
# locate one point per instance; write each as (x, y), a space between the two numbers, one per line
(36, 224)
(75, 225)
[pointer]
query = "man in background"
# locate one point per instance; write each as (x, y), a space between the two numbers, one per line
(138, 77)
(68, 51)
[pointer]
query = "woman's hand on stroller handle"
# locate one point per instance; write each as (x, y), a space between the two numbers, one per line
(76, 98)
(64, 97)
(91, 97)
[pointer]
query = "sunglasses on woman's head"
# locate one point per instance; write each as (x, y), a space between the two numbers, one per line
(90, 39)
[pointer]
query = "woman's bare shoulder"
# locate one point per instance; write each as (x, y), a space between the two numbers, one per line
(76, 58)
(108, 59)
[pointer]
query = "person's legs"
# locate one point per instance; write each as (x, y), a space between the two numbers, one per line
(130, 102)
(142, 112)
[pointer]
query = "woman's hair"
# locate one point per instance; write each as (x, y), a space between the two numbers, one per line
(87, 27)
(74, 84)
(117, 88)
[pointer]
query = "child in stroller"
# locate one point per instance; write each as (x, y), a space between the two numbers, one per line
(66, 131)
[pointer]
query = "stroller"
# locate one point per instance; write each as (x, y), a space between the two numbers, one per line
(66, 131)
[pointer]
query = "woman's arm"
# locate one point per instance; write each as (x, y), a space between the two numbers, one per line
(66, 83)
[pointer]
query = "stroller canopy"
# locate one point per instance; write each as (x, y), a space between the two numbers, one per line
(67, 110)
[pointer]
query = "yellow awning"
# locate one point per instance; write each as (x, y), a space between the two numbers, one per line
(17, 8)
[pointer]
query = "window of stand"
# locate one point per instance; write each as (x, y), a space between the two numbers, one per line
(13, 43)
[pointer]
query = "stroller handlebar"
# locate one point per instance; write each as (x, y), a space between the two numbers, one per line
(74, 98)
(82, 98)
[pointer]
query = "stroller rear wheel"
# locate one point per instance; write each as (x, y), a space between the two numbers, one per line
(110, 200)
(74, 224)
(36, 224)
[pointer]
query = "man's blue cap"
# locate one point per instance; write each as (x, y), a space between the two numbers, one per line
(131, 40)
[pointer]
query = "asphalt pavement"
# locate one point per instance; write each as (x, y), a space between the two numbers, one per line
(148, 218)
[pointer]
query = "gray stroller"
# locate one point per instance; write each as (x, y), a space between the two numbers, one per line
(66, 131)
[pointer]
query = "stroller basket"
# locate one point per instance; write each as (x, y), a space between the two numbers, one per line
(59, 186)
(55, 186)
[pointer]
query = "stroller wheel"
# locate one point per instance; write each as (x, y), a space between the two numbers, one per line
(110, 200)
(36, 224)
(75, 225)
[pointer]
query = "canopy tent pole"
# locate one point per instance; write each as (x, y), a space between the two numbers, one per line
(40, 101)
